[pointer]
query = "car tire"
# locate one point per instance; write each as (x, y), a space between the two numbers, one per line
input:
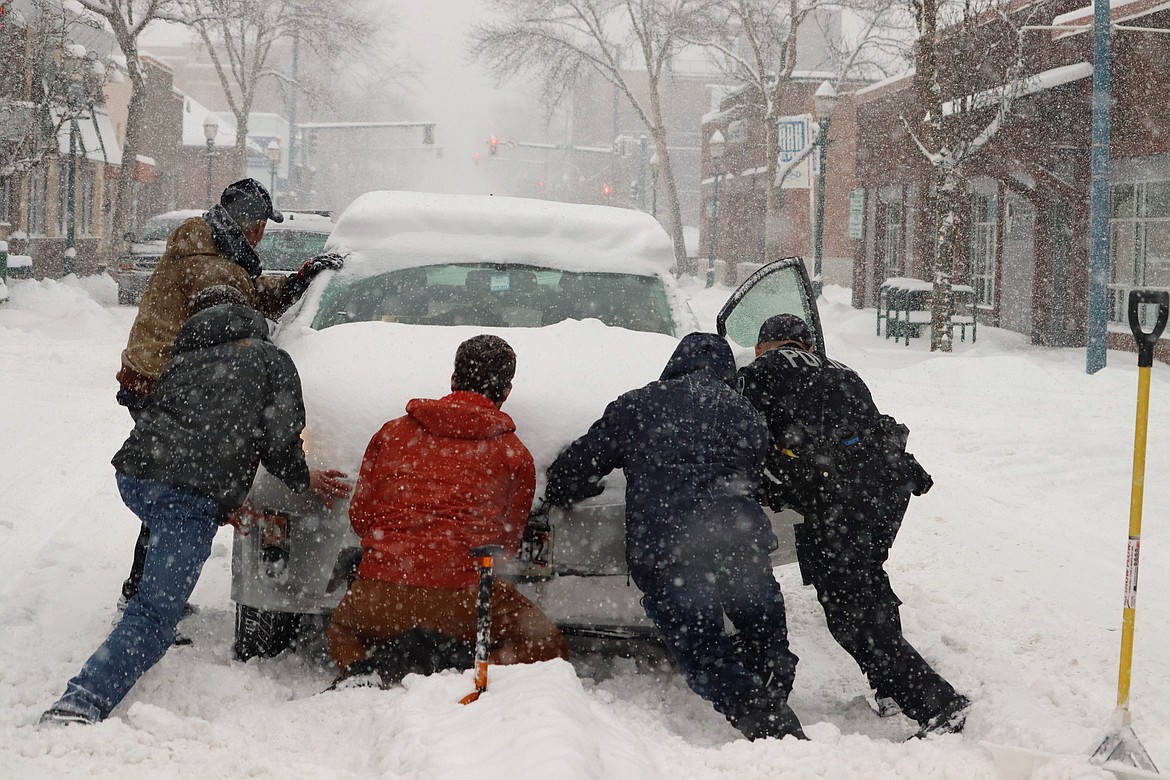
(263, 634)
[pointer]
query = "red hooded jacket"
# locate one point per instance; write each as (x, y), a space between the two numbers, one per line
(448, 476)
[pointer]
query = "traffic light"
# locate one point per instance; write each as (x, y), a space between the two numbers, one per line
(493, 144)
(606, 190)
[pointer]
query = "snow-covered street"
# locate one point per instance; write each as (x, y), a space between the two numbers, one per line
(1011, 570)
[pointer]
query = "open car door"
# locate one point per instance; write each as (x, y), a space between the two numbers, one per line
(782, 287)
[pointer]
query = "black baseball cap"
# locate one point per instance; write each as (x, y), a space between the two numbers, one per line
(247, 201)
(785, 327)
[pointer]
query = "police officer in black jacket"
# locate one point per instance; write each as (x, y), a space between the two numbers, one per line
(843, 465)
(697, 541)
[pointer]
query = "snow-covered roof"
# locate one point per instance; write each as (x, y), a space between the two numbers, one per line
(96, 138)
(717, 115)
(885, 82)
(194, 114)
(415, 228)
(265, 123)
(1119, 11)
(1029, 85)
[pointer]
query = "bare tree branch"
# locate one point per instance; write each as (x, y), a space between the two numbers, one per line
(239, 36)
(559, 40)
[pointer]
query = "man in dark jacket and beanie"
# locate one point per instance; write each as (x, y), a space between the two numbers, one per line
(697, 541)
(843, 465)
(217, 248)
(226, 402)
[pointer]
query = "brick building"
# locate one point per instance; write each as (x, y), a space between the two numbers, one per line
(35, 217)
(740, 229)
(1022, 238)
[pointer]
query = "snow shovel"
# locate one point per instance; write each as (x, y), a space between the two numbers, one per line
(483, 618)
(1121, 744)
(1120, 752)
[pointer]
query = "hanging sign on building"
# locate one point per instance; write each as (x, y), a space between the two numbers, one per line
(793, 137)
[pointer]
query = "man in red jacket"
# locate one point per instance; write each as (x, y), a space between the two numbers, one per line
(448, 476)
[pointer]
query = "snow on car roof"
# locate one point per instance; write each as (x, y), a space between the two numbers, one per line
(411, 228)
(303, 221)
(179, 214)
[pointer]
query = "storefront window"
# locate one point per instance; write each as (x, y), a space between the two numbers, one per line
(1139, 247)
(891, 236)
(38, 200)
(983, 248)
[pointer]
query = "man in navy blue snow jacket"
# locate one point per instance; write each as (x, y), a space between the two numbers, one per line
(697, 541)
(843, 465)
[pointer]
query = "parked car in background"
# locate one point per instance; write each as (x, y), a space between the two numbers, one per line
(285, 246)
(586, 297)
(133, 269)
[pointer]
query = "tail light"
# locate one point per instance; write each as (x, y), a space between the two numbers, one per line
(274, 547)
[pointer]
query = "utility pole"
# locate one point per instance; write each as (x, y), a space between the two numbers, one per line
(293, 179)
(617, 126)
(1097, 316)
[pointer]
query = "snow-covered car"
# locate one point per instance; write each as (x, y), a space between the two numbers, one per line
(585, 296)
(284, 247)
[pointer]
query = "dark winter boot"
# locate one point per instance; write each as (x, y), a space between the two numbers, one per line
(778, 722)
(57, 716)
(949, 720)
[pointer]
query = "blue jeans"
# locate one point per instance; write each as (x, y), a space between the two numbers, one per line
(182, 525)
(752, 673)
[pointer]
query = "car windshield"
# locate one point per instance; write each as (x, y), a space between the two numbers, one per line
(287, 250)
(497, 295)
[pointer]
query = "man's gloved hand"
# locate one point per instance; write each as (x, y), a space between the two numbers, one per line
(315, 265)
(299, 282)
(919, 477)
(327, 484)
(567, 493)
(244, 518)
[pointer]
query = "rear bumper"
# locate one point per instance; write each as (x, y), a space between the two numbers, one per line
(307, 571)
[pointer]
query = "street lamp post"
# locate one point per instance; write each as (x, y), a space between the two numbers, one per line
(716, 145)
(655, 164)
(824, 100)
(210, 131)
(75, 97)
(273, 152)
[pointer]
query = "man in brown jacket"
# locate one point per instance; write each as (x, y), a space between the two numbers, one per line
(217, 248)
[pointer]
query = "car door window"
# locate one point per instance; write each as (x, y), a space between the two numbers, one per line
(782, 287)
